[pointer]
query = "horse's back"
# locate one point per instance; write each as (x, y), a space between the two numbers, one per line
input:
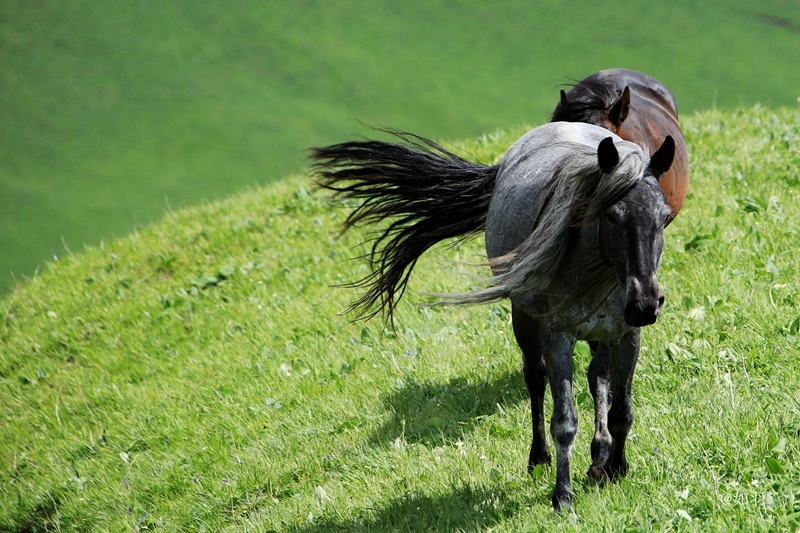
(527, 170)
(551, 144)
(639, 83)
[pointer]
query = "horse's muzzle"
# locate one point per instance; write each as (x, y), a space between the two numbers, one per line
(640, 313)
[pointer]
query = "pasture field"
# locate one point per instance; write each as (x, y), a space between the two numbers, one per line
(114, 111)
(197, 375)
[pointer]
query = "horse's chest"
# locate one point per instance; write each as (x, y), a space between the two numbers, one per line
(605, 325)
(585, 320)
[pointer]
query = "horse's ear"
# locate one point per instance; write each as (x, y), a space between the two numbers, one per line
(619, 111)
(607, 155)
(662, 159)
(564, 101)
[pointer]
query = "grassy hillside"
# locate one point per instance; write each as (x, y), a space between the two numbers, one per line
(113, 111)
(196, 375)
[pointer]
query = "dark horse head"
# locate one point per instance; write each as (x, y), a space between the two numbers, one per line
(631, 237)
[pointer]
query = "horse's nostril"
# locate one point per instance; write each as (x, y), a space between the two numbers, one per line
(639, 313)
(660, 301)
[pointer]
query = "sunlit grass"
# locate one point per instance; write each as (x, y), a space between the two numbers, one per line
(198, 375)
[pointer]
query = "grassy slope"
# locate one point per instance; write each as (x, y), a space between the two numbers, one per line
(196, 374)
(110, 110)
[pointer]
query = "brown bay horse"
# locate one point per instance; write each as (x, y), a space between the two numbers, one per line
(638, 108)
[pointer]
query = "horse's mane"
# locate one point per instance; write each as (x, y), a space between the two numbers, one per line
(588, 99)
(576, 196)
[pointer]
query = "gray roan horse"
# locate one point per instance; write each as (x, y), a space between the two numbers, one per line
(574, 235)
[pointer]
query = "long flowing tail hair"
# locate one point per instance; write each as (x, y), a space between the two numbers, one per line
(425, 193)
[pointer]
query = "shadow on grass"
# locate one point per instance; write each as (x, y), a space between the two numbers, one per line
(433, 413)
(463, 508)
(39, 517)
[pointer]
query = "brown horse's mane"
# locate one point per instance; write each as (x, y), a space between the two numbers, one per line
(589, 99)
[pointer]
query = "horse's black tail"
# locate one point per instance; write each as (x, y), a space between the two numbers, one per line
(429, 193)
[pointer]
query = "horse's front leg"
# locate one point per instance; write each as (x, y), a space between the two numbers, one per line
(599, 387)
(558, 348)
(535, 373)
(622, 363)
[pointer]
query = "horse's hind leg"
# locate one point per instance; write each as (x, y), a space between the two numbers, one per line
(535, 372)
(622, 363)
(599, 387)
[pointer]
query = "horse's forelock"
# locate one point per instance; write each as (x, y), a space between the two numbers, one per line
(580, 191)
(611, 188)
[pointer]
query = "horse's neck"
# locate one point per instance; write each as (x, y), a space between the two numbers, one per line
(649, 122)
(653, 106)
(583, 284)
(584, 266)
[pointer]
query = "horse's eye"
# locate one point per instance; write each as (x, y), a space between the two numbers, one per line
(611, 218)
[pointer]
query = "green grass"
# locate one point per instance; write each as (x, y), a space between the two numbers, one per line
(197, 375)
(112, 111)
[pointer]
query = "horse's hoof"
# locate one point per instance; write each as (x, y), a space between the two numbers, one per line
(562, 500)
(538, 458)
(597, 474)
(616, 472)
